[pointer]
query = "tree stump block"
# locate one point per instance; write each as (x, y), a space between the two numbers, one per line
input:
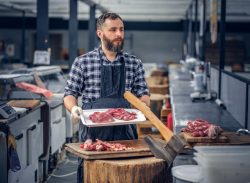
(126, 170)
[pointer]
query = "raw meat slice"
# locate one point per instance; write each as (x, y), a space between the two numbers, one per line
(109, 115)
(202, 128)
(34, 89)
(100, 145)
(122, 114)
(101, 117)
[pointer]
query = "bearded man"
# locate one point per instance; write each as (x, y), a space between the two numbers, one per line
(101, 77)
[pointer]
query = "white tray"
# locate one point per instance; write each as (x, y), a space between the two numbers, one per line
(86, 121)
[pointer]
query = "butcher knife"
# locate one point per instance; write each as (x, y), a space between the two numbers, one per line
(172, 145)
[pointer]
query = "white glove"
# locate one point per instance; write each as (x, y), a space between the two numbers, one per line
(76, 113)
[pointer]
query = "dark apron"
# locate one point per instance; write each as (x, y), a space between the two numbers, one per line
(113, 80)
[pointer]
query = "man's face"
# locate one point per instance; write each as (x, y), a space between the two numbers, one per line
(112, 35)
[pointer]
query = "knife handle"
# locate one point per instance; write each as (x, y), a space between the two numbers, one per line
(132, 99)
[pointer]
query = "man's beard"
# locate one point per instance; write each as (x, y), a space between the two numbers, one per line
(111, 46)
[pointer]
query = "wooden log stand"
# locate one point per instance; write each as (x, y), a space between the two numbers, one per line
(126, 170)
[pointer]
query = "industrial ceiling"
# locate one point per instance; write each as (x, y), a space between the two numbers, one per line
(130, 10)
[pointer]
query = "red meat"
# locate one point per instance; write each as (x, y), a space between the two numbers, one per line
(122, 114)
(100, 145)
(101, 117)
(109, 115)
(34, 89)
(202, 128)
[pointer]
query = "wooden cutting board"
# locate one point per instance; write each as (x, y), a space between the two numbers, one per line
(191, 139)
(232, 139)
(29, 104)
(140, 149)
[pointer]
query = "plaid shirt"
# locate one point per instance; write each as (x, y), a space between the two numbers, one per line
(85, 75)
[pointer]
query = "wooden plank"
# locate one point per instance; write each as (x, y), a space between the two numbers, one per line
(30, 104)
(140, 148)
(157, 80)
(233, 139)
(191, 139)
(160, 89)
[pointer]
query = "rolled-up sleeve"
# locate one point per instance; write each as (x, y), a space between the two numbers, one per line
(75, 84)
(140, 87)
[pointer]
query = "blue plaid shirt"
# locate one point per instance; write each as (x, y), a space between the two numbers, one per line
(85, 75)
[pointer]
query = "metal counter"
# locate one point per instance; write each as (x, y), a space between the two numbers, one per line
(183, 110)
(27, 128)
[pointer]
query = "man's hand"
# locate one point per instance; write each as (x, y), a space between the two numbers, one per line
(76, 113)
(145, 99)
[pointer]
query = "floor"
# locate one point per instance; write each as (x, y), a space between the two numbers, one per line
(66, 170)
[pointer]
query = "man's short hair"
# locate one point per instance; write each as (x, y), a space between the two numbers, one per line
(100, 21)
